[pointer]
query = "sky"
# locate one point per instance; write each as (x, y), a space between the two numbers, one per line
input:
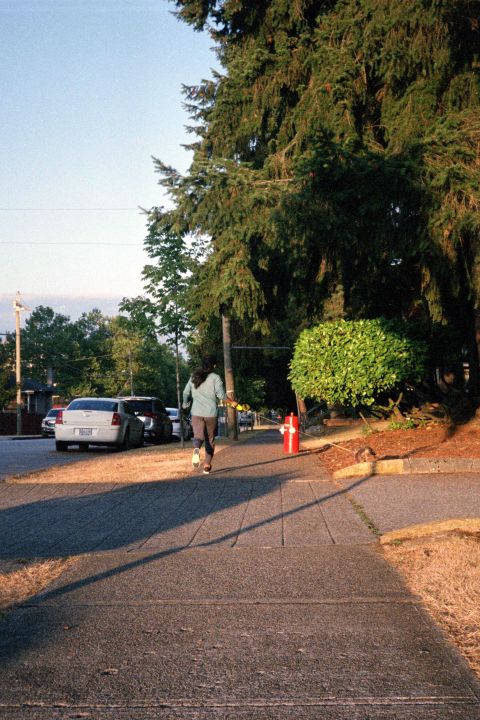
(90, 91)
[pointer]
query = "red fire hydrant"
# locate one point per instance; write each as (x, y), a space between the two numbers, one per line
(290, 434)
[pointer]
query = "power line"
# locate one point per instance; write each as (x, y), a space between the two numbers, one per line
(70, 209)
(66, 242)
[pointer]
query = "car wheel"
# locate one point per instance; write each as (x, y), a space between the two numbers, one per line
(60, 446)
(83, 447)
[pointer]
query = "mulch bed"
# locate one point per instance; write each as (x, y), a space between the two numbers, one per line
(437, 440)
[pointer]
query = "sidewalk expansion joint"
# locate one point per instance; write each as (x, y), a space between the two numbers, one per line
(186, 703)
(228, 602)
(360, 510)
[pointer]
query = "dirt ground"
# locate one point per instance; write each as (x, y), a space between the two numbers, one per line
(438, 440)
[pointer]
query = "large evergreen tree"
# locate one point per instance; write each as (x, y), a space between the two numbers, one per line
(336, 160)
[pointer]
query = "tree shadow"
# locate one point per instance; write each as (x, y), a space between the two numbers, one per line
(136, 518)
(92, 518)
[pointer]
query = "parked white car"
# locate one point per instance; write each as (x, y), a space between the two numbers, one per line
(98, 421)
(175, 418)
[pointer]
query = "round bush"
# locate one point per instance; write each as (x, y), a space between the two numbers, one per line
(352, 361)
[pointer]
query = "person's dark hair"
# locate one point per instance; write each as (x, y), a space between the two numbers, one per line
(200, 374)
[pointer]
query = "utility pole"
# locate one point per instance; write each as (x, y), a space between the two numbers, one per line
(130, 370)
(18, 307)
(177, 380)
(229, 381)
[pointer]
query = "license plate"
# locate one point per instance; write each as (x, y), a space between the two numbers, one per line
(85, 431)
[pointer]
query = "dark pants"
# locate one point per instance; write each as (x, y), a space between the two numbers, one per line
(204, 429)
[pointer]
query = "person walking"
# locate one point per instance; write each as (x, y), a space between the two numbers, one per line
(205, 390)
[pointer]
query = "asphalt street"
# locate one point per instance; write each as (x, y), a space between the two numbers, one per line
(257, 592)
(23, 456)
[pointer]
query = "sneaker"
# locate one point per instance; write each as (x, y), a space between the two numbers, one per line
(207, 469)
(196, 458)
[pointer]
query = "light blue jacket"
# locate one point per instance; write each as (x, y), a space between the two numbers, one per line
(206, 397)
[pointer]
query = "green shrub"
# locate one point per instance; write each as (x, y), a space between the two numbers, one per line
(352, 361)
(407, 424)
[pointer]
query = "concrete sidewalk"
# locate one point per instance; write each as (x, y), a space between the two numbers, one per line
(256, 592)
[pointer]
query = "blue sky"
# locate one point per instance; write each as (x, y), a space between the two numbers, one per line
(90, 90)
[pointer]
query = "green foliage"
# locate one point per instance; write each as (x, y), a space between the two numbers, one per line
(140, 363)
(407, 424)
(351, 362)
(335, 168)
(95, 355)
(164, 308)
(7, 370)
(251, 391)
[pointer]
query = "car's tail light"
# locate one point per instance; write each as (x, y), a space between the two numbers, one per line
(59, 418)
(116, 419)
(148, 414)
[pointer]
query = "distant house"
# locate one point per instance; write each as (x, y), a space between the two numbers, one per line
(36, 397)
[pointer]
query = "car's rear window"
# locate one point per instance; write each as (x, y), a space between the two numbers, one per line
(172, 412)
(54, 412)
(140, 406)
(93, 404)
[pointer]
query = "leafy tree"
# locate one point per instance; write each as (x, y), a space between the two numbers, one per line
(164, 309)
(49, 344)
(7, 370)
(352, 362)
(166, 282)
(95, 355)
(93, 361)
(157, 372)
(141, 365)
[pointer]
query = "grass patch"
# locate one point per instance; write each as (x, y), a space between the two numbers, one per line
(457, 525)
(22, 579)
(441, 563)
(360, 510)
(149, 464)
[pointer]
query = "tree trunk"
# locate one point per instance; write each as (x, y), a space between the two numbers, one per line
(301, 410)
(474, 379)
(229, 380)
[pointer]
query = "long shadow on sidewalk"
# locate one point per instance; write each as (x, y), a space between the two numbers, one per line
(129, 516)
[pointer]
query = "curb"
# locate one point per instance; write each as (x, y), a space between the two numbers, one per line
(412, 532)
(410, 466)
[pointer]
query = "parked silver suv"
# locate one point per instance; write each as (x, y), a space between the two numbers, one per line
(152, 412)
